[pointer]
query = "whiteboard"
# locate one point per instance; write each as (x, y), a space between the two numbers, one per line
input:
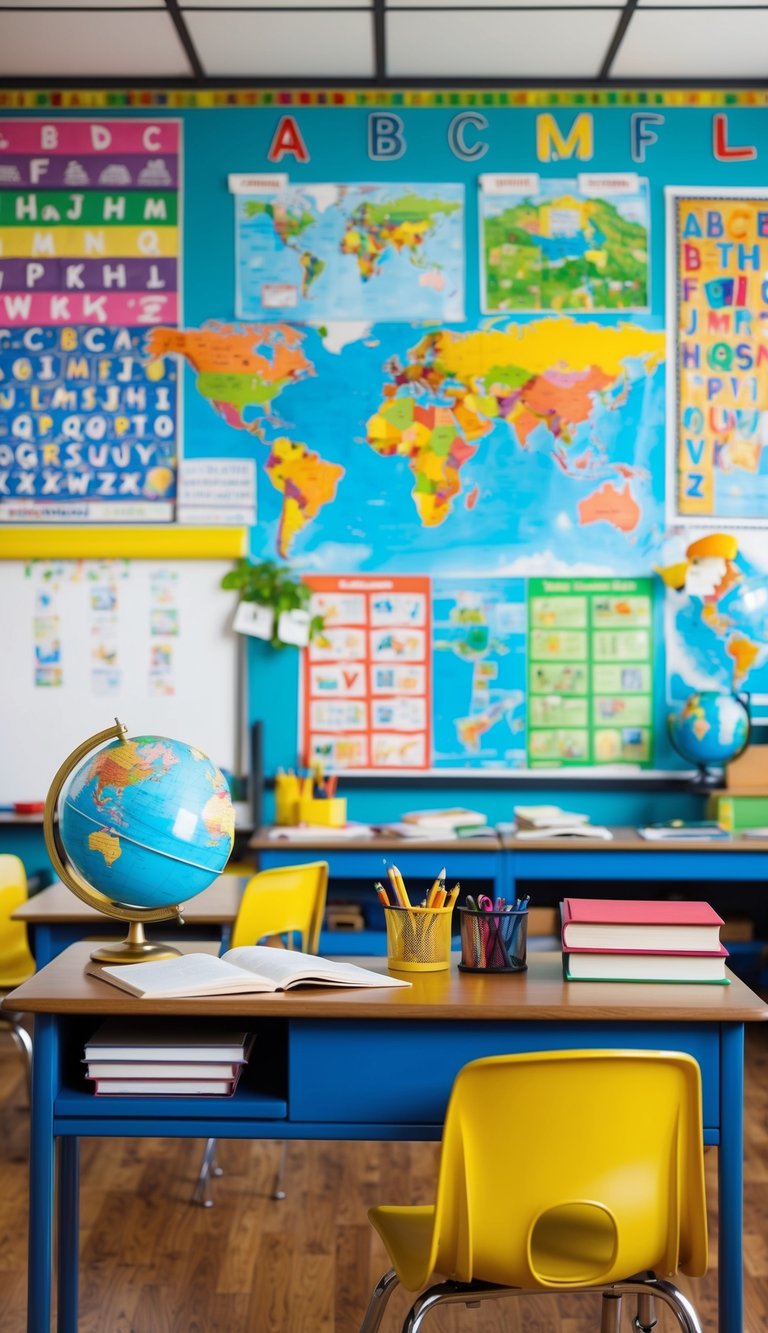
(82, 642)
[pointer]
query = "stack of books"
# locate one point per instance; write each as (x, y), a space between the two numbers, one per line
(125, 1059)
(613, 940)
(550, 821)
(451, 822)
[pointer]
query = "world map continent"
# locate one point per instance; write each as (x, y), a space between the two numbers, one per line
(454, 388)
(541, 383)
(242, 369)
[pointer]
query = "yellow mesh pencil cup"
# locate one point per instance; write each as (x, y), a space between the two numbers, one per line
(418, 938)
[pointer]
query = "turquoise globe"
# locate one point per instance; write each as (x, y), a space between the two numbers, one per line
(147, 821)
(710, 728)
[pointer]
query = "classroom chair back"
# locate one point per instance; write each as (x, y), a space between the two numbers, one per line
(559, 1170)
(16, 961)
(288, 901)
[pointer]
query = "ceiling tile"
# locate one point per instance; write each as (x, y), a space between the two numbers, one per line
(279, 4)
(587, 5)
(711, 44)
(703, 4)
(91, 45)
(82, 4)
(300, 45)
(508, 45)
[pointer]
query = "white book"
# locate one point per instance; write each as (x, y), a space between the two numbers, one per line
(164, 1087)
(161, 1068)
(251, 968)
(546, 816)
(566, 831)
(319, 832)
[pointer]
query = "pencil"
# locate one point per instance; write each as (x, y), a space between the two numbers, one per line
(453, 895)
(438, 884)
(402, 892)
(382, 894)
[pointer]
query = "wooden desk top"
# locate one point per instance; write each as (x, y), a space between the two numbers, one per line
(629, 840)
(318, 839)
(217, 904)
(540, 994)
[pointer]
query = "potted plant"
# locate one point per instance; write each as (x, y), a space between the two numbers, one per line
(274, 603)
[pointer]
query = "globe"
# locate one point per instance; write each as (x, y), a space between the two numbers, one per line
(710, 728)
(144, 824)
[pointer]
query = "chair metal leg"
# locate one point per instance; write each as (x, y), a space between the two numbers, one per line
(201, 1194)
(24, 1042)
(679, 1304)
(646, 1317)
(378, 1302)
(610, 1313)
(278, 1192)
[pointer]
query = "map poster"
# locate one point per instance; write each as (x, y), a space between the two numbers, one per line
(478, 656)
(717, 441)
(89, 260)
(562, 244)
(590, 672)
(366, 681)
(326, 252)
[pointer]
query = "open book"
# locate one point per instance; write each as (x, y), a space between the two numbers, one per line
(249, 968)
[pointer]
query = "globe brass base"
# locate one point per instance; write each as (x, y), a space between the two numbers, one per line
(133, 953)
(135, 948)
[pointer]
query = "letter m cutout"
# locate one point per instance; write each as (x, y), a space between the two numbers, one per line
(551, 146)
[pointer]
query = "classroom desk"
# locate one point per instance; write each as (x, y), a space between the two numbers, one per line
(367, 858)
(361, 1064)
(56, 917)
(628, 857)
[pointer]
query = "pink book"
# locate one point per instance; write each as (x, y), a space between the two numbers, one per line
(614, 925)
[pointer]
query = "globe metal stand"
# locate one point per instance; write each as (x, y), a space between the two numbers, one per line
(135, 948)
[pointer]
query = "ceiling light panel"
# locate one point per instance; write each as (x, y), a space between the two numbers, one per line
(91, 45)
(285, 45)
(711, 44)
(510, 44)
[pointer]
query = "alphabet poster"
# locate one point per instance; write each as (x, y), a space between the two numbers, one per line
(89, 259)
(718, 417)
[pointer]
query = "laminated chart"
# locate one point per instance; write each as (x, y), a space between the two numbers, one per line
(590, 672)
(324, 252)
(90, 232)
(717, 420)
(576, 244)
(366, 687)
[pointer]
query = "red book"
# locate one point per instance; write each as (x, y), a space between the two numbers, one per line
(612, 925)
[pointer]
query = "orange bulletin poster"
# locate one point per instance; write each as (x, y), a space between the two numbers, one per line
(366, 677)
(717, 321)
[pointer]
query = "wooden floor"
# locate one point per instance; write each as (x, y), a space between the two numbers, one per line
(152, 1263)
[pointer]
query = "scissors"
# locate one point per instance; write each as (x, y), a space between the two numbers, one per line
(484, 903)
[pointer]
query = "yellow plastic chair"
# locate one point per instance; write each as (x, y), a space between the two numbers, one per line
(16, 961)
(559, 1171)
(280, 906)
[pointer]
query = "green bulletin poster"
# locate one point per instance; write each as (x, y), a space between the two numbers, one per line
(590, 672)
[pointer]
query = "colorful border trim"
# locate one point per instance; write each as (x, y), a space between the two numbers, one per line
(34, 99)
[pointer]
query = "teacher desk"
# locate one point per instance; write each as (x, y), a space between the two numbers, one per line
(360, 1064)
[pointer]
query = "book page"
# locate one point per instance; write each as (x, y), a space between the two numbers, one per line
(286, 967)
(189, 974)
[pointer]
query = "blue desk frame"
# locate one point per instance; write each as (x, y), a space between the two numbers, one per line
(404, 1063)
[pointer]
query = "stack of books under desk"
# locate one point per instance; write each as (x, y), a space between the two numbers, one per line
(124, 1059)
(615, 940)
